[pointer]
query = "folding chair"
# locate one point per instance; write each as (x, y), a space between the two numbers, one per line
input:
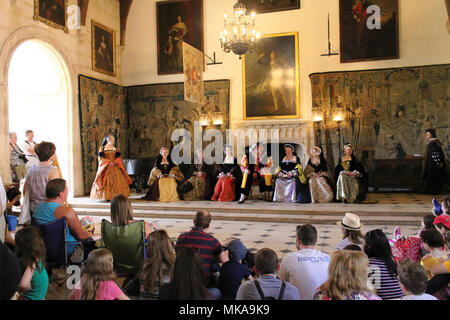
(54, 235)
(127, 244)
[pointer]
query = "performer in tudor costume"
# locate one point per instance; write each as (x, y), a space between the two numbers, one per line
(290, 182)
(112, 178)
(318, 177)
(164, 179)
(433, 168)
(348, 174)
(229, 177)
(199, 181)
(258, 165)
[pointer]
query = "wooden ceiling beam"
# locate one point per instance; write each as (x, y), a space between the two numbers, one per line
(125, 6)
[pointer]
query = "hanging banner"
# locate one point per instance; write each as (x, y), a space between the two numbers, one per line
(193, 74)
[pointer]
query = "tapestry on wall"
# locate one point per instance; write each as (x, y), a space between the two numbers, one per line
(158, 109)
(385, 111)
(103, 110)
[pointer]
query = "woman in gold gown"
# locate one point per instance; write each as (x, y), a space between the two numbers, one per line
(112, 178)
(318, 177)
(348, 174)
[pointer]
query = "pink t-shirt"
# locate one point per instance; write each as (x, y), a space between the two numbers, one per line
(107, 290)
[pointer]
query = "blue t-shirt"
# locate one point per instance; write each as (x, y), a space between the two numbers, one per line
(45, 213)
(231, 275)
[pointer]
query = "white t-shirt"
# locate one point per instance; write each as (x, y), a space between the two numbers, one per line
(424, 296)
(306, 269)
(26, 145)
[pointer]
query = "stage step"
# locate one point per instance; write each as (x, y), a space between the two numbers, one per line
(246, 213)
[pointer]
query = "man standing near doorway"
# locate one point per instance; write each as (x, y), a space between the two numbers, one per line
(433, 168)
(28, 148)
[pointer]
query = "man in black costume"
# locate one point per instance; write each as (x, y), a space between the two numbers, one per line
(433, 168)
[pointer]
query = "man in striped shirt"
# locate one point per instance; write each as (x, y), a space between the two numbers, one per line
(209, 248)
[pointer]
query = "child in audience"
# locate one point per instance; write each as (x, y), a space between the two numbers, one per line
(413, 280)
(158, 268)
(31, 251)
(347, 278)
(98, 282)
(427, 223)
(442, 224)
(233, 272)
(434, 244)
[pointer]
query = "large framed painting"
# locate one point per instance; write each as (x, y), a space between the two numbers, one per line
(263, 6)
(369, 30)
(103, 49)
(271, 78)
(52, 13)
(177, 22)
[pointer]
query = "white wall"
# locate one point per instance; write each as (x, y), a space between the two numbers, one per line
(424, 40)
(17, 25)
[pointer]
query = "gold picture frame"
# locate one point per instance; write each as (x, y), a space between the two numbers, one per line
(103, 49)
(55, 10)
(265, 96)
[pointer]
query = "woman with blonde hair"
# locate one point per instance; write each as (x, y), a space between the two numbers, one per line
(347, 278)
(122, 214)
(98, 282)
(158, 268)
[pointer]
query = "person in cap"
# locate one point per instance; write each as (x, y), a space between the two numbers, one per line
(351, 231)
(256, 161)
(290, 182)
(233, 271)
(318, 177)
(442, 224)
(348, 174)
(164, 178)
(229, 177)
(439, 208)
(433, 165)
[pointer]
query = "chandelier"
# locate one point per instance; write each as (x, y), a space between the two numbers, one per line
(239, 35)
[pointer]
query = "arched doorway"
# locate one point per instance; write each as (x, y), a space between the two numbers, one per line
(39, 98)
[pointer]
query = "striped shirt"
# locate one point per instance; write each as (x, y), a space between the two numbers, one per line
(387, 287)
(208, 246)
(346, 242)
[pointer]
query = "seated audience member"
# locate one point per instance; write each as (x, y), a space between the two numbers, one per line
(17, 159)
(351, 231)
(306, 268)
(122, 214)
(438, 208)
(438, 285)
(442, 224)
(158, 268)
(28, 147)
(413, 280)
(210, 249)
(40, 174)
(347, 278)
(10, 273)
(267, 286)
(382, 265)
(98, 281)
(13, 196)
(433, 243)
(53, 208)
(427, 223)
(233, 272)
(31, 251)
(3, 202)
(188, 282)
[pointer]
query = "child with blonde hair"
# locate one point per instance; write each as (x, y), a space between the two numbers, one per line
(98, 282)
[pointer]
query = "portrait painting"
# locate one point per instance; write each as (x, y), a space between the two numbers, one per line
(369, 30)
(103, 49)
(52, 13)
(263, 6)
(177, 22)
(271, 78)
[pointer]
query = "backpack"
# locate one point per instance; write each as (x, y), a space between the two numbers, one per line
(263, 297)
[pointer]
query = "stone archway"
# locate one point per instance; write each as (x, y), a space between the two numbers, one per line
(45, 36)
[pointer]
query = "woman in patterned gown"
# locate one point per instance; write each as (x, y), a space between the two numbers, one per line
(112, 178)
(318, 177)
(290, 182)
(348, 175)
(164, 179)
